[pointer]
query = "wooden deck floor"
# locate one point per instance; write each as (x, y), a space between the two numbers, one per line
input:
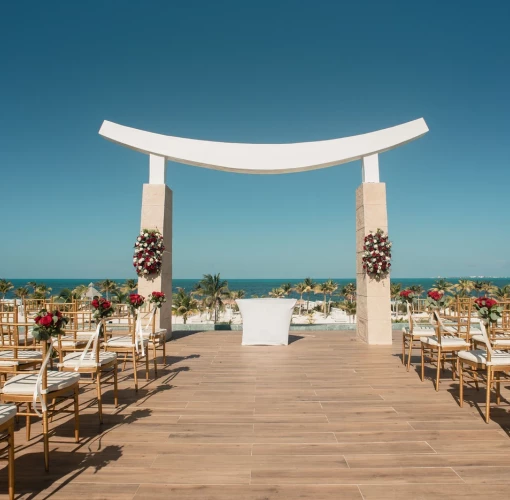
(325, 418)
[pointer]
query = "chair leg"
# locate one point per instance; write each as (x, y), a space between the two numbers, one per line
(488, 395)
(11, 461)
(163, 337)
(28, 420)
(99, 397)
(422, 362)
(46, 440)
(475, 379)
(154, 353)
(403, 349)
(409, 353)
(76, 415)
(498, 389)
(147, 363)
(135, 369)
(438, 371)
(115, 385)
(461, 382)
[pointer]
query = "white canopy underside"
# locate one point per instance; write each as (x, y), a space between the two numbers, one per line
(264, 158)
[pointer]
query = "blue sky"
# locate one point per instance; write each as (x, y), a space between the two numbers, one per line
(262, 72)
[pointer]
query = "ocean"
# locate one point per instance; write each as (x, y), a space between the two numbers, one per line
(251, 287)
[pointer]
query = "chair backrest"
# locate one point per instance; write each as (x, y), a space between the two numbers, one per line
(32, 306)
(441, 327)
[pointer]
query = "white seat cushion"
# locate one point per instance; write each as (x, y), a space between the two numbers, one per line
(70, 341)
(499, 358)
(7, 412)
(25, 384)
(158, 333)
(23, 356)
(73, 360)
(445, 341)
(126, 341)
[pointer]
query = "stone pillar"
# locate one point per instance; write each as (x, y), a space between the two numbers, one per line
(373, 297)
(157, 214)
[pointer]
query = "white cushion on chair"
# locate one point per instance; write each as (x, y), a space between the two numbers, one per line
(70, 341)
(499, 358)
(159, 332)
(73, 360)
(126, 341)
(23, 356)
(25, 384)
(445, 341)
(7, 412)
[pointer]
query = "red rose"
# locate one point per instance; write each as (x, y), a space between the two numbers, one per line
(37, 319)
(106, 304)
(46, 320)
(95, 303)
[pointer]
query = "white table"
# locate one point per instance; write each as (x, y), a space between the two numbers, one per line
(266, 321)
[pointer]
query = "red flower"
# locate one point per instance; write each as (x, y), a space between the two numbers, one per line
(95, 303)
(37, 319)
(46, 320)
(434, 295)
(406, 293)
(107, 304)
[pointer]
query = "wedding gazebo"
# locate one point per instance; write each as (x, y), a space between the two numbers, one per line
(373, 296)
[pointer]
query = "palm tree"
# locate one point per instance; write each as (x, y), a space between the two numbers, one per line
(5, 287)
(120, 297)
(310, 285)
(21, 292)
(331, 287)
(349, 306)
(301, 289)
(107, 286)
(502, 293)
(395, 289)
(417, 289)
(41, 291)
(236, 294)
(80, 291)
(478, 286)
(488, 287)
(32, 284)
(464, 287)
(277, 293)
(129, 286)
(65, 294)
(213, 289)
(287, 288)
(349, 291)
(184, 304)
(326, 288)
(442, 285)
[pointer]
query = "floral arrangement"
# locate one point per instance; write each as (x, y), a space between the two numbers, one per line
(488, 309)
(157, 298)
(407, 296)
(148, 254)
(377, 254)
(103, 308)
(435, 299)
(135, 302)
(48, 324)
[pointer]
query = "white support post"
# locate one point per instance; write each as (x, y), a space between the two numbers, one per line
(370, 168)
(157, 169)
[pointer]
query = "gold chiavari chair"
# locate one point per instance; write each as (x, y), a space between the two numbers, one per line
(48, 387)
(78, 331)
(442, 347)
(31, 307)
(156, 337)
(412, 334)
(7, 416)
(491, 360)
(101, 365)
(498, 333)
(121, 337)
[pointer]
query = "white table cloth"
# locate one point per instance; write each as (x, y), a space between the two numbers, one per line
(266, 321)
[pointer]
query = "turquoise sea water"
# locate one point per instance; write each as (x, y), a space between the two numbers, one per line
(250, 286)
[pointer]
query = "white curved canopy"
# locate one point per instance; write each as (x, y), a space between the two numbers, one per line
(264, 158)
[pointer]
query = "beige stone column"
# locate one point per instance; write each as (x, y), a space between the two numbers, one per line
(373, 297)
(157, 214)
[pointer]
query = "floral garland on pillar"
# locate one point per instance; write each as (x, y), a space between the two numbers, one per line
(377, 254)
(148, 255)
